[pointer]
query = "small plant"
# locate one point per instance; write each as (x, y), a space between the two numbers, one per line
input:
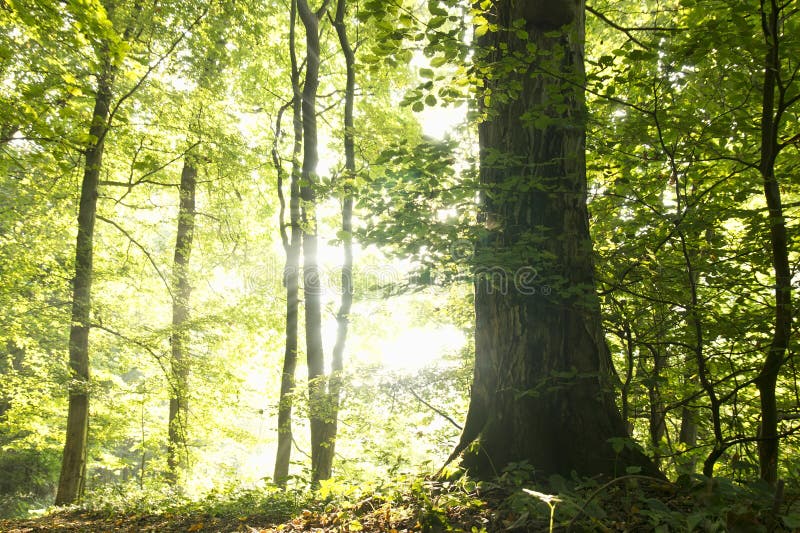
(551, 501)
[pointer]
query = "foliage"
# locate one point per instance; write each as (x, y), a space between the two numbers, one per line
(680, 229)
(629, 502)
(230, 502)
(678, 220)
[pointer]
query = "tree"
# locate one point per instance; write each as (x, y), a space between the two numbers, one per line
(178, 402)
(291, 245)
(210, 70)
(697, 196)
(110, 50)
(73, 468)
(312, 288)
(343, 315)
(776, 84)
(541, 389)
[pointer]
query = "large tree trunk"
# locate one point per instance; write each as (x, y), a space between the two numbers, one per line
(343, 316)
(178, 402)
(291, 272)
(73, 467)
(317, 397)
(541, 390)
(768, 377)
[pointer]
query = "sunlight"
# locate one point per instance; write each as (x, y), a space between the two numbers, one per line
(405, 343)
(225, 281)
(417, 347)
(438, 122)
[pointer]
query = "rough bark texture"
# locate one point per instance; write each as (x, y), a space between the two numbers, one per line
(292, 245)
(73, 467)
(178, 402)
(541, 391)
(768, 448)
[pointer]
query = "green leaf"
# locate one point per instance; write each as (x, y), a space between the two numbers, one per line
(791, 521)
(481, 27)
(436, 22)
(435, 9)
(617, 444)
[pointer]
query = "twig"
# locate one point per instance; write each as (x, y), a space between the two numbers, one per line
(626, 31)
(144, 251)
(434, 409)
(153, 66)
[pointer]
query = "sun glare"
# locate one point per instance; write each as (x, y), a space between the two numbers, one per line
(417, 347)
(437, 122)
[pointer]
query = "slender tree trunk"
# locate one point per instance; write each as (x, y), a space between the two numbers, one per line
(657, 419)
(768, 376)
(291, 273)
(73, 467)
(178, 402)
(315, 359)
(328, 449)
(541, 389)
(630, 356)
(688, 437)
(10, 364)
(696, 330)
(177, 455)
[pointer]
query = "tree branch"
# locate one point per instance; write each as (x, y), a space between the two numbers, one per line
(626, 31)
(434, 409)
(144, 251)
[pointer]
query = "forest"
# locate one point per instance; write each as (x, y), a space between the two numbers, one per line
(399, 265)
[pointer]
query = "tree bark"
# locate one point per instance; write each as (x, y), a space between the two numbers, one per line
(687, 437)
(73, 467)
(178, 402)
(768, 443)
(312, 289)
(657, 419)
(541, 389)
(10, 363)
(328, 449)
(291, 273)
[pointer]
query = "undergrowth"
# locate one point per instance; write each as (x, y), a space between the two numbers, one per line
(518, 500)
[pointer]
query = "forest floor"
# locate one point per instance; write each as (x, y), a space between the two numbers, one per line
(630, 505)
(374, 516)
